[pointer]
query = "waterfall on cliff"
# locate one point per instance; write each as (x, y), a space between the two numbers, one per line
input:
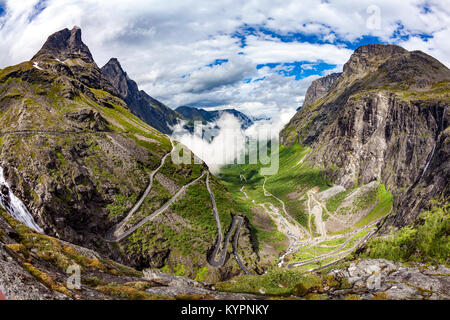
(14, 206)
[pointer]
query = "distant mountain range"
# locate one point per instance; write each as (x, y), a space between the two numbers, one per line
(197, 114)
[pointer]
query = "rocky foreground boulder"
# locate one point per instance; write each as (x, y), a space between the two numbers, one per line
(383, 279)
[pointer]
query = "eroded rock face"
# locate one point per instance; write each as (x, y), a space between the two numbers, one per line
(17, 284)
(372, 278)
(381, 137)
(176, 286)
(65, 44)
(319, 88)
(401, 143)
(172, 280)
(65, 53)
(385, 118)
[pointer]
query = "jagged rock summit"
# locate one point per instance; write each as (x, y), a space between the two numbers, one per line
(65, 44)
(65, 54)
(320, 87)
(140, 103)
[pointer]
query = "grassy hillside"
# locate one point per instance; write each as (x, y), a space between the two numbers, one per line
(297, 189)
(79, 160)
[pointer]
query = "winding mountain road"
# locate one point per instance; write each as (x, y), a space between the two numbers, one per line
(293, 230)
(338, 252)
(292, 221)
(235, 228)
(317, 211)
(117, 229)
(116, 235)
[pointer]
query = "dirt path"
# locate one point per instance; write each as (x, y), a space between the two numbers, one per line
(301, 160)
(245, 193)
(57, 132)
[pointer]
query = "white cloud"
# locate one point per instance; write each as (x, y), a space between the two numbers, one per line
(271, 50)
(160, 41)
(229, 138)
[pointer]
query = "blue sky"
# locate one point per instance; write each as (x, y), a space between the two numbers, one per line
(256, 56)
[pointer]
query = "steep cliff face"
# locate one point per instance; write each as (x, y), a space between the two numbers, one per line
(140, 103)
(386, 118)
(319, 88)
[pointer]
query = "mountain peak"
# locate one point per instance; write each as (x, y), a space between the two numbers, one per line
(113, 68)
(118, 77)
(140, 103)
(380, 49)
(370, 57)
(65, 44)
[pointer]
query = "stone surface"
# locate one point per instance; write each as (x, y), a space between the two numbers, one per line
(320, 88)
(370, 278)
(180, 291)
(172, 280)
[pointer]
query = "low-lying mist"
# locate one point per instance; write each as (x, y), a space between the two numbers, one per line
(223, 141)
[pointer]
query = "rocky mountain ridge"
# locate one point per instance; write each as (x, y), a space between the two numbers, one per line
(207, 116)
(140, 103)
(86, 160)
(319, 88)
(385, 118)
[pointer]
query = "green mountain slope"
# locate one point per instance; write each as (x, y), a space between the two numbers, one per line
(368, 151)
(79, 160)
